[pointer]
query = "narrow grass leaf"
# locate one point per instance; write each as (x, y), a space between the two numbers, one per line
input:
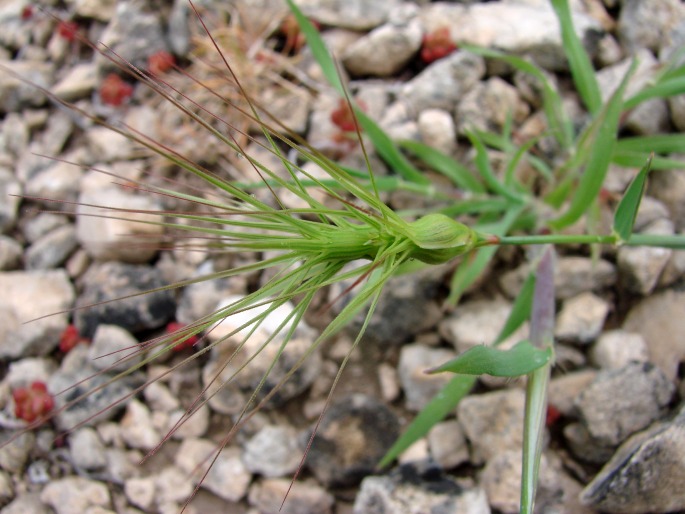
(521, 359)
(600, 151)
(318, 47)
(582, 71)
(662, 89)
(387, 149)
(455, 171)
(542, 336)
(676, 242)
(486, 171)
(626, 212)
(661, 143)
(440, 406)
(636, 159)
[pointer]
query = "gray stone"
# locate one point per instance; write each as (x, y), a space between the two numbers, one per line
(194, 426)
(384, 51)
(42, 224)
(406, 491)
(557, 492)
(585, 447)
(230, 398)
(478, 322)
(14, 137)
(55, 184)
(617, 348)
(645, 474)
(78, 378)
(106, 236)
(110, 146)
(642, 24)
(492, 422)
(160, 398)
(105, 283)
(581, 318)
(14, 34)
(290, 106)
(172, 486)
(101, 10)
(75, 495)
(228, 478)
(141, 491)
(420, 387)
(621, 402)
(353, 436)
(573, 275)
(564, 389)
(26, 297)
(300, 497)
(51, 250)
(16, 94)
(9, 202)
(437, 130)
(114, 349)
(26, 503)
(487, 106)
(137, 429)
(6, 489)
(25, 371)
(512, 27)
(651, 116)
(443, 82)
(134, 33)
(659, 319)
(447, 444)
(77, 83)
(356, 14)
(669, 187)
(122, 465)
(273, 452)
(10, 254)
(178, 27)
(86, 449)
(14, 456)
(676, 106)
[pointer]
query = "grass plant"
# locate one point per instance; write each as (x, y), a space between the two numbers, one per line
(307, 247)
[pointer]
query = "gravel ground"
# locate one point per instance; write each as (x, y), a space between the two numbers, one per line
(616, 431)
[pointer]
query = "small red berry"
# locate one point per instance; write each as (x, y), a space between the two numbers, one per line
(553, 415)
(27, 12)
(70, 338)
(436, 45)
(183, 343)
(290, 29)
(114, 91)
(343, 117)
(67, 30)
(160, 62)
(32, 402)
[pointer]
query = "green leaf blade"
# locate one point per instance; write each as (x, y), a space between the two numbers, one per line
(521, 359)
(626, 212)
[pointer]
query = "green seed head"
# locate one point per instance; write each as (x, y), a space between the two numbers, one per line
(439, 238)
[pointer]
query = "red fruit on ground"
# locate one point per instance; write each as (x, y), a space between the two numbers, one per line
(27, 12)
(183, 343)
(114, 91)
(67, 30)
(32, 402)
(436, 45)
(160, 62)
(290, 29)
(553, 415)
(70, 338)
(343, 118)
